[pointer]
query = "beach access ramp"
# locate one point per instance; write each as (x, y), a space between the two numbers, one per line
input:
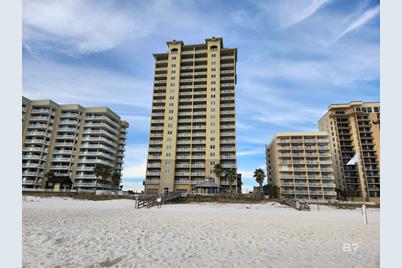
(153, 200)
(296, 204)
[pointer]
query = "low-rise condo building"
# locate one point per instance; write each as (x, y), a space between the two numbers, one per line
(68, 140)
(354, 132)
(299, 163)
(193, 123)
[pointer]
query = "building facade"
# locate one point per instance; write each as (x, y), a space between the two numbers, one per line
(300, 164)
(193, 122)
(354, 129)
(68, 140)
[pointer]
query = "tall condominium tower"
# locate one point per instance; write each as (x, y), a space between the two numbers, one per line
(193, 116)
(354, 130)
(299, 163)
(69, 140)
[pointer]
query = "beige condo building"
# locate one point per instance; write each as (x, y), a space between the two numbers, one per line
(69, 140)
(299, 163)
(193, 122)
(354, 128)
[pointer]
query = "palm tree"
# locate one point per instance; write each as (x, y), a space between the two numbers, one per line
(98, 172)
(116, 179)
(231, 176)
(49, 175)
(259, 176)
(218, 171)
(107, 172)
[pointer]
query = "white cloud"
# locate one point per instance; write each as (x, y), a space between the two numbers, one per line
(78, 26)
(134, 170)
(250, 152)
(360, 21)
(134, 186)
(66, 84)
(135, 161)
(287, 13)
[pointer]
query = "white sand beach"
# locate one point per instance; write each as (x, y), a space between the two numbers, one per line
(70, 233)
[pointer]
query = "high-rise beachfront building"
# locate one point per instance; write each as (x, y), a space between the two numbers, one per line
(193, 120)
(68, 140)
(299, 163)
(354, 132)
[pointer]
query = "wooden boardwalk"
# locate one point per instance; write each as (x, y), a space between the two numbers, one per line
(152, 201)
(296, 204)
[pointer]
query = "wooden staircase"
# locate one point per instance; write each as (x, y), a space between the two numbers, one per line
(152, 201)
(296, 204)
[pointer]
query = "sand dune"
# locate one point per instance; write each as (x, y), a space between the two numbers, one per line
(69, 233)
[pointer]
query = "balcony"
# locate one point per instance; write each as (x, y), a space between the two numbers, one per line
(95, 161)
(29, 174)
(228, 126)
(227, 65)
(67, 129)
(60, 167)
(156, 165)
(32, 165)
(228, 156)
(151, 173)
(41, 126)
(65, 137)
(64, 144)
(68, 122)
(69, 115)
(151, 182)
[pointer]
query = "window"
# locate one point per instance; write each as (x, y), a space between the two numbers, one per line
(170, 117)
(169, 132)
(212, 116)
(213, 82)
(213, 89)
(169, 139)
(212, 147)
(212, 110)
(212, 139)
(171, 97)
(174, 50)
(212, 131)
(174, 58)
(212, 124)
(170, 111)
(168, 147)
(213, 69)
(213, 48)
(173, 72)
(172, 84)
(173, 78)
(213, 96)
(213, 55)
(170, 125)
(212, 154)
(167, 163)
(168, 154)
(376, 109)
(168, 171)
(213, 75)
(172, 91)
(171, 104)
(173, 65)
(369, 109)
(213, 63)
(212, 163)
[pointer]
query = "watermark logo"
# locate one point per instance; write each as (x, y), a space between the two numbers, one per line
(350, 247)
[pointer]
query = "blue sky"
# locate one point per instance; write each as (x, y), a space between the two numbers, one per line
(294, 59)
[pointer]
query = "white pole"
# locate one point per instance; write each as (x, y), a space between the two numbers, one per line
(364, 210)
